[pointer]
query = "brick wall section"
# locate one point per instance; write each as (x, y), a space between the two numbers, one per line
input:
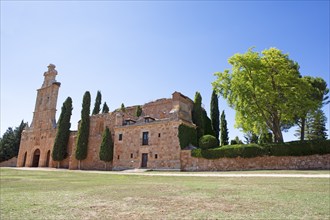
(189, 163)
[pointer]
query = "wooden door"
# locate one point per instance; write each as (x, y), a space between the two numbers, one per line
(144, 163)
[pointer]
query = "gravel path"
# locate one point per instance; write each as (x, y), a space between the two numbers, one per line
(143, 172)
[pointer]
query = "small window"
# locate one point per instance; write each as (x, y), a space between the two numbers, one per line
(118, 157)
(120, 137)
(131, 155)
(145, 138)
(156, 156)
(159, 135)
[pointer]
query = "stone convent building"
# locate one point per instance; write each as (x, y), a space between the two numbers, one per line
(149, 141)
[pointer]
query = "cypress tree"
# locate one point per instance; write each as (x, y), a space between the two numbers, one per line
(215, 119)
(83, 131)
(224, 139)
(106, 148)
(138, 111)
(97, 104)
(197, 115)
(207, 124)
(63, 132)
(105, 108)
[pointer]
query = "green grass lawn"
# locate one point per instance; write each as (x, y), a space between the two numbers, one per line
(27, 194)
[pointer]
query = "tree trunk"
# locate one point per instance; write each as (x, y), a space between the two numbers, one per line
(302, 129)
(278, 137)
(79, 165)
(58, 164)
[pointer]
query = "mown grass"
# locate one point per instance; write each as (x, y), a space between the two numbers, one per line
(82, 195)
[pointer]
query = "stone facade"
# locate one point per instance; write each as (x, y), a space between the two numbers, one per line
(189, 163)
(37, 140)
(160, 119)
(150, 144)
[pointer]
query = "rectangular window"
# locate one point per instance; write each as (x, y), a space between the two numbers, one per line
(131, 155)
(120, 137)
(145, 138)
(156, 156)
(159, 135)
(118, 157)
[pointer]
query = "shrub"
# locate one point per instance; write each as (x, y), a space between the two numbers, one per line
(208, 141)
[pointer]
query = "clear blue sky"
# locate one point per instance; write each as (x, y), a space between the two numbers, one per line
(136, 52)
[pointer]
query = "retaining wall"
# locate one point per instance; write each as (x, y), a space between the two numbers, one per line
(189, 163)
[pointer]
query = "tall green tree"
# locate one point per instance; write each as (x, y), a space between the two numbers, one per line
(197, 115)
(10, 142)
(317, 129)
(7, 145)
(224, 137)
(138, 112)
(63, 132)
(106, 148)
(105, 108)
(319, 93)
(18, 134)
(265, 89)
(215, 115)
(83, 130)
(207, 124)
(97, 104)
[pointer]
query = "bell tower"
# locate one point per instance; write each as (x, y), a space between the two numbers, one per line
(45, 108)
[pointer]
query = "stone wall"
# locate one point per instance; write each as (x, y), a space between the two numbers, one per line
(36, 142)
(9, 163)
(162, 149)
(98, 123)
(189, 163)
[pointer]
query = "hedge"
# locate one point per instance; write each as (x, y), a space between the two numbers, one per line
(299, 148)
(296, 148)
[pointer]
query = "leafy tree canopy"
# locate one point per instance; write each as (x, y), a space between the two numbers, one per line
(265, 89)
